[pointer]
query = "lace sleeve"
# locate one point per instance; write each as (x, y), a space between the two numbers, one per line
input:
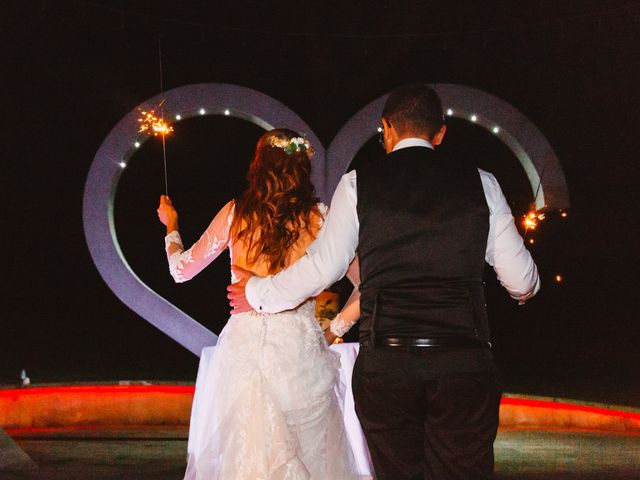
(186, 264)
(350, 313)
(340, 326)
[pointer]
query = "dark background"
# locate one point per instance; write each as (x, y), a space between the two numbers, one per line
(71, 70)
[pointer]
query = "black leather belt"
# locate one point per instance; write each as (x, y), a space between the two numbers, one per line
(434, 342)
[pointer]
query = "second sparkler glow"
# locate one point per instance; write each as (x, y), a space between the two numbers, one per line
(530, 220)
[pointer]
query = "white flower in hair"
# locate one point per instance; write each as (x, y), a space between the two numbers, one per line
(296, 144)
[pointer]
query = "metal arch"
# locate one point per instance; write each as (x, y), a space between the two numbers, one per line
(525, 140)
(104, 174)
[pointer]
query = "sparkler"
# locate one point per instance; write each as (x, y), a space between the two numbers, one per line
(531, 220)
(150, 124)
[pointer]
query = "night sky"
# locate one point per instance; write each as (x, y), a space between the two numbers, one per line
(72, 70)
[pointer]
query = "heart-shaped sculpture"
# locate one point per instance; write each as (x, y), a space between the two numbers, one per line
(528, 144)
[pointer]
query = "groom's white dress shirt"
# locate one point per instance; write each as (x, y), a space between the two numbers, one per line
(329, 256)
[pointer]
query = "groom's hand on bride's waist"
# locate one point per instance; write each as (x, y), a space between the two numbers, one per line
(236, 291)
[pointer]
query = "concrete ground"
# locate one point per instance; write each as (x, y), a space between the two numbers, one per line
(159, 453)
(103, 454)
(566, 455)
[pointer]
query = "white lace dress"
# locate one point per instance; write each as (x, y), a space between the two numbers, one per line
(275, 414)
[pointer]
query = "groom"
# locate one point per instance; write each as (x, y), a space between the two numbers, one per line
(425, 385)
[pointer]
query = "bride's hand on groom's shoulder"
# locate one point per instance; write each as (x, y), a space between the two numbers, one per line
(236, 291)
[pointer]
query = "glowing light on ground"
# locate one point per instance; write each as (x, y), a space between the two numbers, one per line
(97, 405)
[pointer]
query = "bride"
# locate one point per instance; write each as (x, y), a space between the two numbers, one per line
(276, 413)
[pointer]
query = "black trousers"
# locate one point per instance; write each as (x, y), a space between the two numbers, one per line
(428, 414)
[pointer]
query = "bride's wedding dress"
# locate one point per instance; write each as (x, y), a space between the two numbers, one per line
(275, 413)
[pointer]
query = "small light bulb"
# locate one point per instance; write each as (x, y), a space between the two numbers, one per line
(559, 278)
(532, 241)
(474, 118)
(137, 144)
(227, 112)
(178, 117)
(496, 130)
(379, 129)
(202, 111)
(449, 112)
(122, 164)
(564, 215)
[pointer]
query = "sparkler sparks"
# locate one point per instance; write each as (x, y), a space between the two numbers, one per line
(531, 220)
(152, 125)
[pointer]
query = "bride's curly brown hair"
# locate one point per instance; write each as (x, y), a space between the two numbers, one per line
(278, 204)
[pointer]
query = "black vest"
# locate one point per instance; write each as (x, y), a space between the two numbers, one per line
(423, 235)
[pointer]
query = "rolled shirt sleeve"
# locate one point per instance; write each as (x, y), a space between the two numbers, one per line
(506, 251)
(326, 261)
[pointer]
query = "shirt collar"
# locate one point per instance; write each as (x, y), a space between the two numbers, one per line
(412, 142)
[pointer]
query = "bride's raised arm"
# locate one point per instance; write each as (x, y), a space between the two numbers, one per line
(186, 264)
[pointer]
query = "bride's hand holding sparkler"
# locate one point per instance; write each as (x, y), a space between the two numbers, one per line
(168, 214)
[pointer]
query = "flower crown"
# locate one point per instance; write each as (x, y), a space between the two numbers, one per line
(292, 145)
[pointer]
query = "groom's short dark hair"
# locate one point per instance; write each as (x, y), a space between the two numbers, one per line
(414, 109)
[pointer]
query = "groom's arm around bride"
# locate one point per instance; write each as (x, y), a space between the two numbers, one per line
(424, 383)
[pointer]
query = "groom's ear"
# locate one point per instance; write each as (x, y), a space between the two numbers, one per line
(439, 135)
(389, 134)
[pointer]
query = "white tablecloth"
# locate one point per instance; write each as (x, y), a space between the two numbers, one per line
(204, 390)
